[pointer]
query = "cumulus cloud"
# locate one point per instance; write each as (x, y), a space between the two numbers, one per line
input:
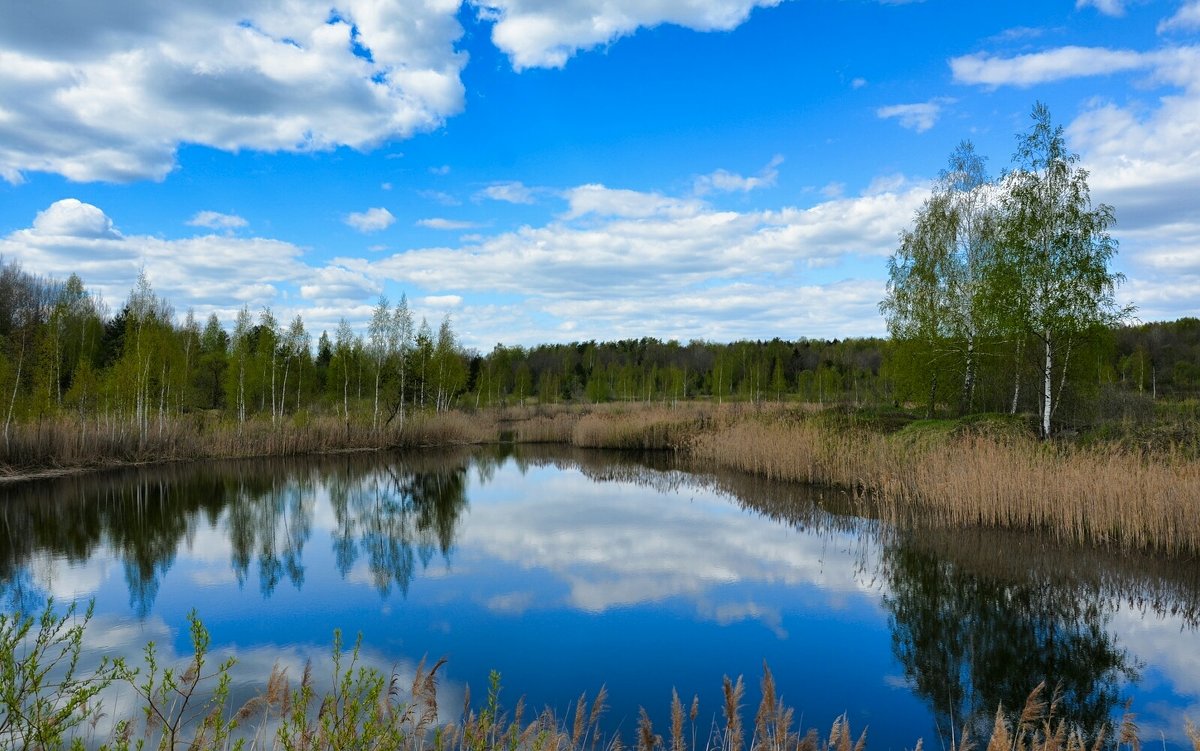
(71, 218)
(622, 262)
(442, 301)
(217, 220)
(445, 224)
(509, 192)
(536, 34)
(371, 220)
(919, 116)
(339, 284)
(602, 201)
(109, 93)
(723, 181)
(211, 272)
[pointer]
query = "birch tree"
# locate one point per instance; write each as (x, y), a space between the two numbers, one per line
(401, 332)
(1058, 251)
(380, 347)
(240, 345)
(937, 301)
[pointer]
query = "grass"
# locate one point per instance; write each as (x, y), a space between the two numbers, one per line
(48, 704)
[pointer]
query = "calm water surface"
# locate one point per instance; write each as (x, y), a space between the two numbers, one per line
(565, 570)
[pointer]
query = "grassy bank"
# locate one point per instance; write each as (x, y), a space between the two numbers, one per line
(1125, 490)
(66, 443)
(50, 703)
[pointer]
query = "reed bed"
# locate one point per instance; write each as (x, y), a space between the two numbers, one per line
(985, 474)
(1092, 495)
(639, 428)
(67, 443)
(360, 706)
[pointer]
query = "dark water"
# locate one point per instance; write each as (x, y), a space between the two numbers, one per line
(565, 570)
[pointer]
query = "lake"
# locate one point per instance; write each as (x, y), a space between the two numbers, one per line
(566, 570)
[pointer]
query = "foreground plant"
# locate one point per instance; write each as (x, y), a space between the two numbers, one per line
(44, 697)
(49, 703)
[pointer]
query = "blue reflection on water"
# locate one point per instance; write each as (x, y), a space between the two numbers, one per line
(563, 574)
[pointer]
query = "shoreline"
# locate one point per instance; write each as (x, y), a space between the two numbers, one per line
(979, 471)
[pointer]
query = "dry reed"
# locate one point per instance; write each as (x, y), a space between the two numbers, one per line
(1091, 495)
(66, 443)
(1105, 494)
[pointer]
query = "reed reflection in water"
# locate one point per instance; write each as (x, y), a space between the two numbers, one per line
(567, 568)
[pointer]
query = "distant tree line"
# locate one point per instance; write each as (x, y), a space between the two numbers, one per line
(62, 352)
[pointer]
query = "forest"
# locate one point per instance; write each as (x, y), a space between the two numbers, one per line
(62, 352)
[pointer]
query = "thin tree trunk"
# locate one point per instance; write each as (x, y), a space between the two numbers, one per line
(1048, 384)
(932, 395)
(1062, 381)
(13, 400)
(1017, 377)
(375, 414)
(968, 397)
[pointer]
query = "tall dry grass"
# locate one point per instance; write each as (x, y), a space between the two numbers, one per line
(1107, 494)
(1101, 495)
(65, 443)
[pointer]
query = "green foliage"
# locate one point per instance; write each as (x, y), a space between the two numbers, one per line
(44, 697)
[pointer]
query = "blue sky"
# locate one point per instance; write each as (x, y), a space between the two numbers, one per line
(572, 169)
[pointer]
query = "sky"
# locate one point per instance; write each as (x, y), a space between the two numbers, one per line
(566, 170)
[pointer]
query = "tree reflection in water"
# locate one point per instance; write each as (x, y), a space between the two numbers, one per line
(969, 642)
(392, 512)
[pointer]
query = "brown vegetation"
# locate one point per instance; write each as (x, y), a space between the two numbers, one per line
(68, 443)
(1102, 494)
(975, 473)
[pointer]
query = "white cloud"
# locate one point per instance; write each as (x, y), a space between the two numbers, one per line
(1187, 18)
(728, 182)
(858, 83)
(109, 93)
(537, 34)
(510, 192)
(617, 202)
(217, 220)
(1114, 8)
(445, 224)
(339, 284)
(210, 272)
(72, 218)
(621, 262)
(1044, 67)
(919, 116)
(442, 301)
(371, 220)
